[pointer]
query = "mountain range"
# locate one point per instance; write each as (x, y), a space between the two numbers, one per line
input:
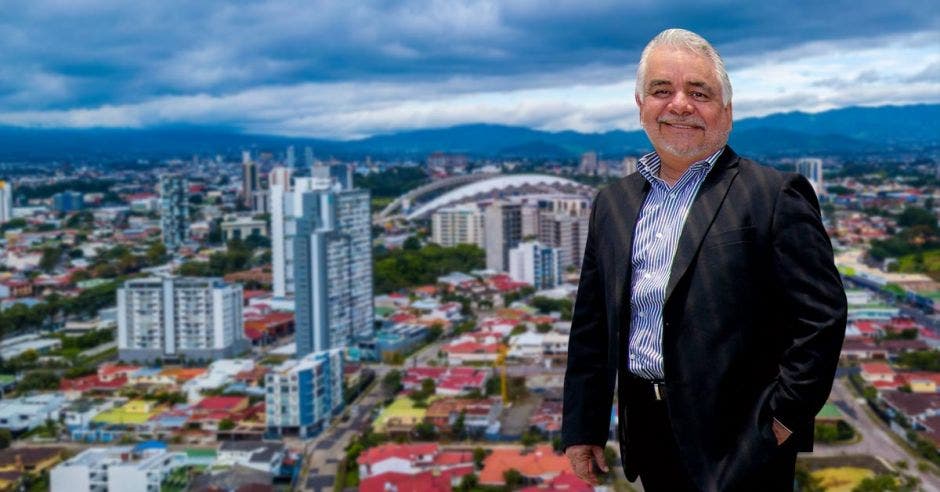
(852, 130)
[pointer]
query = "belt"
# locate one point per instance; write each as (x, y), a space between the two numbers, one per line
(647, 388)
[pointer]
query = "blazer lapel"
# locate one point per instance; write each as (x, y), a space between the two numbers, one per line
(635, 189)
(702, 213)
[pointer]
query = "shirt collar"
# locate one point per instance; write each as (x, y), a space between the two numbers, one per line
(648, 165)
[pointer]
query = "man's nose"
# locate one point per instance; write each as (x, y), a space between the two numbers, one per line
(681, 104)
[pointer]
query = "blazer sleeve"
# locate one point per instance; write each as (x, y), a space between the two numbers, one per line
(813, 299)
(587, 399)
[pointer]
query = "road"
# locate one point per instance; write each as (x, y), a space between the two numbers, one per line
(875, 437)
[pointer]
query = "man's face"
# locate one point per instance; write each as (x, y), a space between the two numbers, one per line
(682, 110)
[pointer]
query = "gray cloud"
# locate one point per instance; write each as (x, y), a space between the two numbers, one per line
(154, 62)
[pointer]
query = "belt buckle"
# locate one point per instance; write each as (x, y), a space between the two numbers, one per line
(658, 391)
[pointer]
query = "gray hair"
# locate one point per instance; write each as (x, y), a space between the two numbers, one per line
(680, 38)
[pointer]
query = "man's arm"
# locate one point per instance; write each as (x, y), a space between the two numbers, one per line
(814, 300)
(587, 398)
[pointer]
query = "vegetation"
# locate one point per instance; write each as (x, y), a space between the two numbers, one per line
(917, 245)
(391, 382)
(20, 318)
(923, 360)
(238, 256)
(394, 182)
(402, 268)
(41, 380)
(830, 433)
(547, 305)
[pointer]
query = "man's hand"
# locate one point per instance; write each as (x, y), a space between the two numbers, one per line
(583, 457)
(780, 432)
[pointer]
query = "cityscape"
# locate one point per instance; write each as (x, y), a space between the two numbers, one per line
(281, 320)
(324, 247)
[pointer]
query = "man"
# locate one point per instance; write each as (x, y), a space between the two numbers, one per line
(708, 290)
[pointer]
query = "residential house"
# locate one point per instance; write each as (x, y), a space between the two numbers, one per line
(540, 464)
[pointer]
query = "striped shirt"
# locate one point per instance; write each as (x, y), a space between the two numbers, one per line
(655, 238)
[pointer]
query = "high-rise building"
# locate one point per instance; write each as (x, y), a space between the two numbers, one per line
(812, 168)
(68, 201)
(285, 209)
(341, 173)
(588, 163)
(502, 225)
(179, 317)
(567, 233)
(629, 165)
(535, 264)
(251, 181)
(291, 159)
(332, 263)
(308, 157)
(6, 201)
(174, 211)
(460, 224)
(303, 394)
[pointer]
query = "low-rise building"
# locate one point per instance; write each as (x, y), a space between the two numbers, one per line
(262, 456)
(28, 412)
(303, 394)
(139, 468)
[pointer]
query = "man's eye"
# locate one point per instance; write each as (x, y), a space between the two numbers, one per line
(699, 95)
(661, 92)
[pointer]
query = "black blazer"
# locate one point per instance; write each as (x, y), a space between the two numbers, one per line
(753, 321)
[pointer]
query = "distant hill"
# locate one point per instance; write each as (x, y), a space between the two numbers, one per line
(841, 131)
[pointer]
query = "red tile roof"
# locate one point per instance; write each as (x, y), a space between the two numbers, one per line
(567, 482)
(877, 368)
(408, 452)
(223, 403)
(92, 383)
(402, 482)
(542, 462)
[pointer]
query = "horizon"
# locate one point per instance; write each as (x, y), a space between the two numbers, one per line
(341, 72)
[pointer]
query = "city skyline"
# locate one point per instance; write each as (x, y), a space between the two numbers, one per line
(335, 71)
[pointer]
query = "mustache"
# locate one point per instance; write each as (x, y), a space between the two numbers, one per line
(694, 122)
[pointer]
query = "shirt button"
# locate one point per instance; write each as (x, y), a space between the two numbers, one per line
(646, 275)
(659, 235)
(642, 314)
(672, 195)
(632, 357)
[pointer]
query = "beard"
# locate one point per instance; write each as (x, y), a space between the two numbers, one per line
(685, 148)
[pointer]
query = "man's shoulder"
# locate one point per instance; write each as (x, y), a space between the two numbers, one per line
(756, 172)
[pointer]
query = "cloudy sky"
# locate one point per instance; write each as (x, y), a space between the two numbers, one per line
(347, 69)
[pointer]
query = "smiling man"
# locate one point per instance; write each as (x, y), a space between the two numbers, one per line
(708, 290)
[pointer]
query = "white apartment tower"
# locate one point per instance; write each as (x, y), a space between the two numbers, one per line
(535, 264)
(6, 201)
(179, 318)
(461, 224)
(812, 169)
(321, 252)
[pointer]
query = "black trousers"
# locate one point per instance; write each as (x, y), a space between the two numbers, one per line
(659, 463)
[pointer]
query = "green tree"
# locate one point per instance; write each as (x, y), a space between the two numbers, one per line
(479, 454)
(513, 478)
(226, 425)
(156, 253)
(50, 258)
(6, 437)
(391, 383)
(425, 431)
(459, 429)
(916, 216)
(468, 483)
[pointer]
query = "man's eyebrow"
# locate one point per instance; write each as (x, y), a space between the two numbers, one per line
(658, 83)
(700, 85)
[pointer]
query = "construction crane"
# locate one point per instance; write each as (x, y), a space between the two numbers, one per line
(500, 363)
